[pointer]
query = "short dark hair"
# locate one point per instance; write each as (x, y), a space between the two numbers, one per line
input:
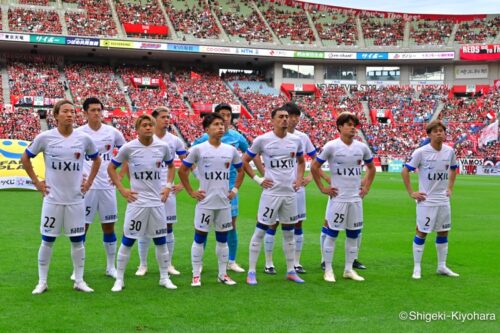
(91, 100)
(210, 118)
(224, 106)
(434, 124)
(156, 112)
(281, 108)
(292, 108)
(345, 117)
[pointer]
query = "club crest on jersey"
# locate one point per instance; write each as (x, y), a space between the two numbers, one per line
(447, 166)
(227, 164)
(107, 147)
(292, 154)
(77, 155)
(158, 164)
(359, 162)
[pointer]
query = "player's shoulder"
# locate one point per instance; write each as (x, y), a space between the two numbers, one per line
(300, 134)
(82, 135)
(360, 144)
(227, 146)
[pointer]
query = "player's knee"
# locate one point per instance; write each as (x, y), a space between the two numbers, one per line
(76, 239)
(298, 225)
(48, 239)
(330, 232)
(170, 228)
(200, 238)
(352, 233)
(108, 228)
(127, 241)
(441, 239)
(221, 237)
(271, 232)
(109, 237)
(298, 231)
(160, 240)
(287, 227)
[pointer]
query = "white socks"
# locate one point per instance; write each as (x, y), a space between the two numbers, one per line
(255, 244)
(268, 248)
(328, 251)
(289, 249)
(299, 241)
(78, 257)
(170, 244)
(44, 256)
(197, 257)
(163, 258)
(351, 252)
(143, 250)
(122, 261)
(222, 252)
(110, 248)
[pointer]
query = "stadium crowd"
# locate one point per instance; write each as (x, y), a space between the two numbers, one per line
(146, 12)
(97, 19)
(197, 21)
(27, 20)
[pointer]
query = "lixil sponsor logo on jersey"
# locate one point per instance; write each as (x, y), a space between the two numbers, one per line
(349, 171)
(217, 175)
(65, 166)
(147, 175)
(437, 176)
(283, 164)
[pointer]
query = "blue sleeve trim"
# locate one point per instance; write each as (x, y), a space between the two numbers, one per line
(186, 163)
(169, 161)
(119, 146)
(312, 153)
(453, 167)
(249, 152)
(93, 156)
(30, 154)
(237, 166)
(320, 160)
(409, 167)
(181, 152)
(116, 163)
(300, 153)
(368, 160)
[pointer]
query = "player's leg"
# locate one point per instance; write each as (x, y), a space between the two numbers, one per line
(78, 258)
(232, 238)
(254, 251)
(357, 264)
(163, 259)
(171, 217)
(426, 217)
(298, 231)
(442, 226)
(44, 256)
(354, 224)
(269, 238)
(328, 251)
(203, 218)
(108, 213)
(223, 224)
(122, 259)
(287, 211)
(143, 249)
(322, 238)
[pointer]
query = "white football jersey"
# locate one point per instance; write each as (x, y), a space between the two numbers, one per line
(106, 138)
(145, 169)
(434, 167)
(308, 148)
(175, 146)
(280, 160)
(214, 165)
(346, 164)
(64, 159)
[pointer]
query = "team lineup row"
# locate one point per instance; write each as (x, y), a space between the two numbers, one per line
(82, 174)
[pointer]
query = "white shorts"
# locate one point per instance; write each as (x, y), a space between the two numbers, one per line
(171, 209)
(56, 217)
(271, 207)
(220, 218)
(437, 218)
(102, 201)
(144, 222)
(344, 215)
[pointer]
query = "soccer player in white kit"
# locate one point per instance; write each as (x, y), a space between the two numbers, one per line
(437, 170)
(63, 188)
(344, 211)
(145, 214)
(101, 198)
(294, 113)
(176, 146)
(213, 159)
(284, 174)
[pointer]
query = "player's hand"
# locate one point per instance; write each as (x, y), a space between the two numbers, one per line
(85, 186)
(419, 196)
(267, 183)
(330, 191)
(448, 193)
(177, 188)
(231, 195)
(298, 184)
(363, 191)
(42, 187)
(198, 195)
(306, 181)
(130, 195)
(164, 194)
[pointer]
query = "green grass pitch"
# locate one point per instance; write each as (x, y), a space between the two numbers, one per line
(275, 305)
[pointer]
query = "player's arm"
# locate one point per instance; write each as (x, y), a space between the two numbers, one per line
(128, 194)
(451, 180)
(41, 186)
(368, 179)
(309, 177)
(170, 181)
(301, 167)
(96, 164)
(124, 170)
(316, 174)
(258, 164)
(247, 158)
(237, 184)
(184, 177)
(406, 180)
(177, 188)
